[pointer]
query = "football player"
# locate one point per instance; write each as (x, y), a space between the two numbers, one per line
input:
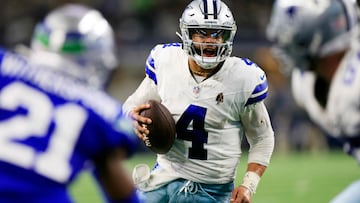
(317, 40)
(55, 117)
(216, 100)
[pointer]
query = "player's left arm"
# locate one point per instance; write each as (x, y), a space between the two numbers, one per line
(260, 135)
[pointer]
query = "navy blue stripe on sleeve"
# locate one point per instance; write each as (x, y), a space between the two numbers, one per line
(261, 87)
(259, 93)
(150, 69)
(150, 61)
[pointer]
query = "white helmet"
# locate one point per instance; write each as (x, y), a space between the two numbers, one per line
(306, 30)
(207, 14)
(77, 41)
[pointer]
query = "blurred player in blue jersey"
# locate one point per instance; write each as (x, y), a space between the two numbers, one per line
(318, 41)
(55, 117)
(216, 100)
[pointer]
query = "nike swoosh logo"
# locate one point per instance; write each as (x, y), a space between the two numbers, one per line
(262, 77)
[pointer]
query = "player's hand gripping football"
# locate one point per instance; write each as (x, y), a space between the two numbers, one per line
(155, 126)
(141, 130)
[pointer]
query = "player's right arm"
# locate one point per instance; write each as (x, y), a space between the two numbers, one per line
(136, 102)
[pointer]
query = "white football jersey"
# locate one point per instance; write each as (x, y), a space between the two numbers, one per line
(341, 116)
(211, 116)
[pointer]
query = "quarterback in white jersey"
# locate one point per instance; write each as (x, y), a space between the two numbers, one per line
(320, 40)
(215, 100)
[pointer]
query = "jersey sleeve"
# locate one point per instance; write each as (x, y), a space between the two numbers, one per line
(258, 82)
(158, 60)
(259, 133)
(150, 68)
(148, 87)
(254, 116)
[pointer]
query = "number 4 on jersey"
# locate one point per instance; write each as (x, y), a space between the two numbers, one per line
(197, 135)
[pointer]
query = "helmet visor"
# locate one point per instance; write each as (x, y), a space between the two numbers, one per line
(214, 33)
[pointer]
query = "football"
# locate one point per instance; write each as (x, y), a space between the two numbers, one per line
(162, 130)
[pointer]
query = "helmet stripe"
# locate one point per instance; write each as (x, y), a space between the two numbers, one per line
(208, 7)
(72, 42)
(215, 9)
(205, 9)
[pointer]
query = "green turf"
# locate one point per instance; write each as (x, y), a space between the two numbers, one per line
(291, 178)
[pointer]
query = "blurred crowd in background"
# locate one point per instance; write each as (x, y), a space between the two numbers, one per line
(141, 24)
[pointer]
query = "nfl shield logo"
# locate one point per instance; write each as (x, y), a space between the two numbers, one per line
(196, 90)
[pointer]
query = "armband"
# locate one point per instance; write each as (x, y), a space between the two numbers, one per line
(250, 181)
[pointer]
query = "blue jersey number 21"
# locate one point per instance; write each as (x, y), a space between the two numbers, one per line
(194, 115)
(54, 162)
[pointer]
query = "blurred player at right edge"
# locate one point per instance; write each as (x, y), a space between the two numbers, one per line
(318, 41)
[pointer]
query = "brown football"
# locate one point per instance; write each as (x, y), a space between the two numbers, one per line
(162, 130)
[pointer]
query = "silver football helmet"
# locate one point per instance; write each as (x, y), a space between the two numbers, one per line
(213, 15)
(78, 41)
(303, 31)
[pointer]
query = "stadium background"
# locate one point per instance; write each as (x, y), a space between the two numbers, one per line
(141, 24)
